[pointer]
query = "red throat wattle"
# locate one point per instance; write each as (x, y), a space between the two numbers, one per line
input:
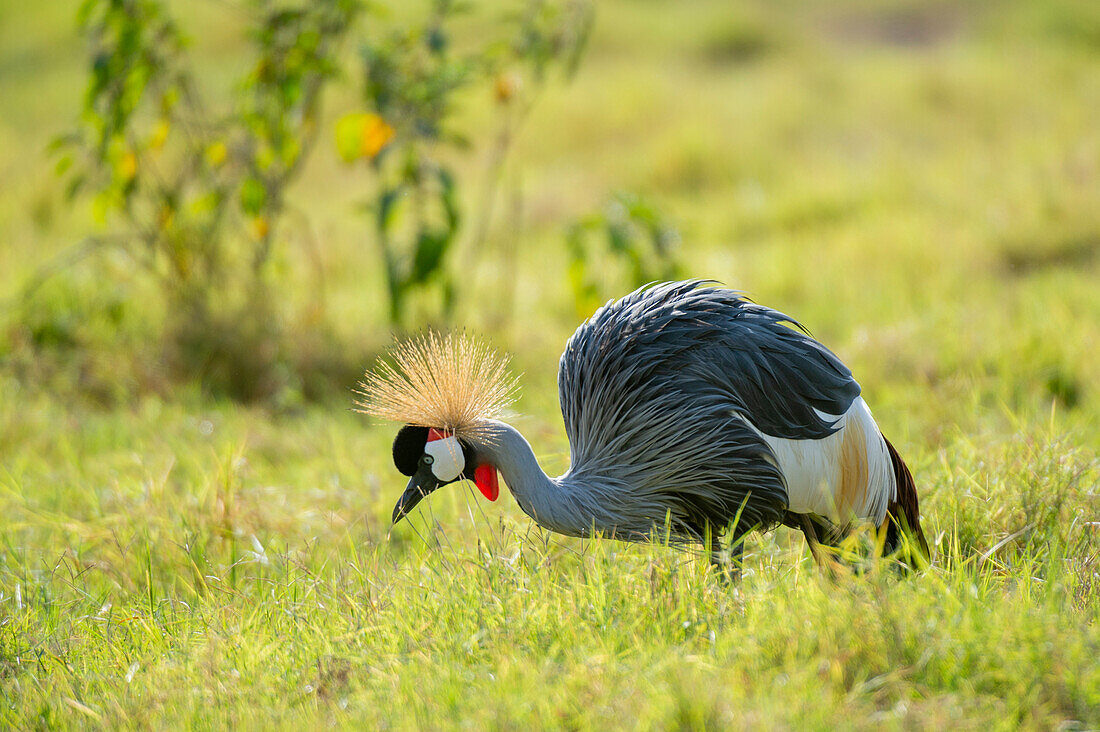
(485, 476)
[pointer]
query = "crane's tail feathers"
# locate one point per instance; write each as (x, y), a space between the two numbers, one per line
(903, 514)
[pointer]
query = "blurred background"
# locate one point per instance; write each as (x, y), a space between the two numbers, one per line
(215, 214)
(244, 200)
(231, 208)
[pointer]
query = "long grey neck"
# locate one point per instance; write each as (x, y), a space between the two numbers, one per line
(551, 502)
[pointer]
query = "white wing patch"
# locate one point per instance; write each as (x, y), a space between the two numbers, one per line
(843, 477)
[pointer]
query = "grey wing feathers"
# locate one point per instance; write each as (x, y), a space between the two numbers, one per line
(649, 386)
(780, 377)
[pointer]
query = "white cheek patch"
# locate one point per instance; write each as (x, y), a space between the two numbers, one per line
(447, 458)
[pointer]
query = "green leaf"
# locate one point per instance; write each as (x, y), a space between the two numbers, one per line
(618, 238)
(102, 204)
(349, 136)
(449, 200)
(574, 241)
(253, 196)
(291, 149)
(206, 203)
(291, 90)
(84, 12)
(63, 164)
(585, 296)
(75, 186)
(387, 207)
(430, 248)
(395, 284)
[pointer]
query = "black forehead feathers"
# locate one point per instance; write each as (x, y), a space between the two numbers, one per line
(408, 446)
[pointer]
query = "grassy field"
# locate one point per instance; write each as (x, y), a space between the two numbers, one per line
(918, 183)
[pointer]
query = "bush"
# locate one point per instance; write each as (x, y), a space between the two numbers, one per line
(195, 195)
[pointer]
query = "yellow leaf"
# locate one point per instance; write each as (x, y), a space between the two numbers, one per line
(259, 227)
(216, 154)
(159, 135)
(506, 86)
(127, 166)
(361, 135)
(376, 134)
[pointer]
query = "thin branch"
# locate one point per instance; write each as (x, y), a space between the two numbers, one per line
(58, 264)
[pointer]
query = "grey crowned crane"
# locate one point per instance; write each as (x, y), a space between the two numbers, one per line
(690, 411)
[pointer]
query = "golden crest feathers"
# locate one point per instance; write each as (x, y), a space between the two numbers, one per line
(450, 382)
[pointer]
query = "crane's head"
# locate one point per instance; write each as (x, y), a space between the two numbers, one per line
(432, 458)
(444, 388)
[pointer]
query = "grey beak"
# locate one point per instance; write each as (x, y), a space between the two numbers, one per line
(414, 494)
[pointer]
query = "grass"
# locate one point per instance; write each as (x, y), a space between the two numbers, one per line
(917, 183)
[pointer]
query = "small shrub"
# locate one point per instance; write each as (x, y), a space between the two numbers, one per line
(640, 244)
(195, 194)
(411, 79)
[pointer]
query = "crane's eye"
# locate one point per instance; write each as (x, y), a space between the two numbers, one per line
(427, 459)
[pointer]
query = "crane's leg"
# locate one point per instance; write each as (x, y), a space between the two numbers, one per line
(819, 533)
(808, 529)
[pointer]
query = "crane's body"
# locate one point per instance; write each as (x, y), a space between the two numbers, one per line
(690, 411)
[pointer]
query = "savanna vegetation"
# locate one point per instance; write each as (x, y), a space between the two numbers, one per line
(214, 215)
